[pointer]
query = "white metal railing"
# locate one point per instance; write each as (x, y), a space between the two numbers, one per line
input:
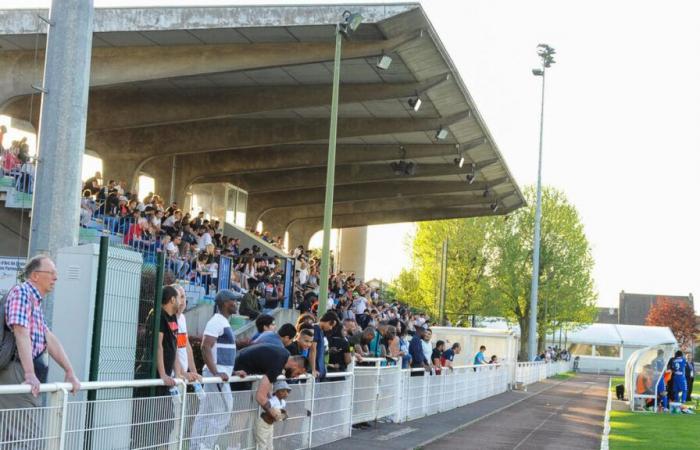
(113, 417)
(532, 372)
(318, 413)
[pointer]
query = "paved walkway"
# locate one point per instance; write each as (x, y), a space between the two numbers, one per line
(550, 415)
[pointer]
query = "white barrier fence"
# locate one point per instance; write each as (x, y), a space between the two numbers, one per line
(532, 372)
(319, 412)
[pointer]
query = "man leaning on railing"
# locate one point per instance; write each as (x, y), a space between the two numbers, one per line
(23, 315)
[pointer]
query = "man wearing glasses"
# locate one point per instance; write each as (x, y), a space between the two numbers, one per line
(24, 317)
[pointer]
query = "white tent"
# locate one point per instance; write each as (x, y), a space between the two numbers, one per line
(604, 347)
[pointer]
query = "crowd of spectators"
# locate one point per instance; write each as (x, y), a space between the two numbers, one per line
(552, 354)
(192, 244)
(16, 162)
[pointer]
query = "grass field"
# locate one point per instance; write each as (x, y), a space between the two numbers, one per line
(616, 381)
(564, 376)
(641, 431)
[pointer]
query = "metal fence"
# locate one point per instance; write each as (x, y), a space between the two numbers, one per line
(532, 372)
(388, 392)
(319, 412)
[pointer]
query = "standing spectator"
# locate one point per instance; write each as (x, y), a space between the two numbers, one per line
(185, 355)
(448, 357)
(480, 358)
(425, 344)
(166, 357)
(24, 317)
(436, 356)
(270, 361)
(318, 349)
(339, 355)
(287, 332)
(267, 333)
(415, 348)
(219, 354)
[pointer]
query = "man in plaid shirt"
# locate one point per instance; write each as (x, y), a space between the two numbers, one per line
(23, 315)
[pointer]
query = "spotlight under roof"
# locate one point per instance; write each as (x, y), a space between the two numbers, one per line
(384, 62)
(442, 134)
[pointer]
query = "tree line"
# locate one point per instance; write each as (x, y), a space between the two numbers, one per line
(489, 267)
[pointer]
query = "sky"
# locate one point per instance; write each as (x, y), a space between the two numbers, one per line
(621, 123)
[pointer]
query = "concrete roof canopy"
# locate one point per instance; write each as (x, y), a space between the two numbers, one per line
(242, 95)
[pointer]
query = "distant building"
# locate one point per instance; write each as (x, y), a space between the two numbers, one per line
(607, 315)
(634, 308)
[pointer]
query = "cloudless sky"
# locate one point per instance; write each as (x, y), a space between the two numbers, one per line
(622, 121)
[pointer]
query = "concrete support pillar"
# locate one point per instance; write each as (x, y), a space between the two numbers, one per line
(353, 250)
(300, 232)
(56, 205)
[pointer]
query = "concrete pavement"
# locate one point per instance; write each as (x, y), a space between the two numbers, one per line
(550, 415)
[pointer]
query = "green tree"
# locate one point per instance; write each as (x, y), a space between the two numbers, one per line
(566, 293)
(467, 262)
(489, 265)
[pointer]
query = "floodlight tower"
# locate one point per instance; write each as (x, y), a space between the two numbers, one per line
(546, 54)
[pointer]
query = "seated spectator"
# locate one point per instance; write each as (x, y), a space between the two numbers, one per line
(302, 344)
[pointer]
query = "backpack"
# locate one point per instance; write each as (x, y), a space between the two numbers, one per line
(8, 347)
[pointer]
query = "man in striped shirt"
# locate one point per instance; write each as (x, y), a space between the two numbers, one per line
(24, 317)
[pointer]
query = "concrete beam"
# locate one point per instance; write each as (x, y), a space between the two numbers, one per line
(302, 228)
(114, 65)
(345, 174)
(222, 134)
(125, 107)
(283, 216)
(259, 204)
(288, 157)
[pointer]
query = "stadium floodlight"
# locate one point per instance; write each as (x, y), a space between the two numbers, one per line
(487, 192)
(459, 162)
(351, 21)
(537, 72)
(441, 134)
(494, 207)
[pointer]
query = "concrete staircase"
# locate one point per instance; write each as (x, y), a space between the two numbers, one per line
(15, 221)
(11, 197)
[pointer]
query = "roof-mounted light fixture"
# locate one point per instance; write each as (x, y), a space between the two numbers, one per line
(487, 192)
(494, 207)
(459, 160)
(384, 62)
(415, 102)
(441, 133)
(471, 176)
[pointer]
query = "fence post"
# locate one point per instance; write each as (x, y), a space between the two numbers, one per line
(58, 405)
(99, 313)
(183, 410)
(311, 412)
(160, 270)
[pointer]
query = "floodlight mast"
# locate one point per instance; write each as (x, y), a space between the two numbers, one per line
(546, 54)
(350, 23)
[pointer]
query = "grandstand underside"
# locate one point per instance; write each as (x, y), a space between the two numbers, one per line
(241, 95)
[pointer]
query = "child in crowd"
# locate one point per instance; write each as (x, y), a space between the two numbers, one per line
(264, 430)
